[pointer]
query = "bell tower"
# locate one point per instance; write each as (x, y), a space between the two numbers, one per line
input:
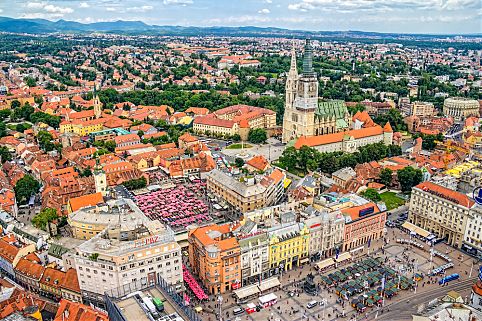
(290, 96)
(100, 179)
(97, 104)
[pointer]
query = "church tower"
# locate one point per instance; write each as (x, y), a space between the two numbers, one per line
(290, 95)
(100, 179)
(97, 104)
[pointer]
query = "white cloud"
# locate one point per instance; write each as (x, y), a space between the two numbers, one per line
(111, 9)
(381, 5)
(178, 2)
(35, 5)
(50, 8)
(1, 10)
(264, 11)
(84, 5)
(140, 9)
(42, 9)
(268, 1)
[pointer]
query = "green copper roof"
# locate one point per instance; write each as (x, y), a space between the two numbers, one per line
(331, 108)
(341, 123)
(308, 61)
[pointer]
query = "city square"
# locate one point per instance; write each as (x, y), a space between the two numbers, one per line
(292, 299)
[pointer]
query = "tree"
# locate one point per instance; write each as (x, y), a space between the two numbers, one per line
(386, 176)
(257, 136)
(45, 216)
(135, 183)
(372, 195)
(409, 177)
(239, 162)
(110, 145)
(45, 139)
(3, 129)
(14, 104)
(30, 82)
(289, 159)
(25, 188)
(5, 114)
(5, 154)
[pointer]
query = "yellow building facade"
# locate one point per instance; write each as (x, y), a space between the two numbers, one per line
(288, 246)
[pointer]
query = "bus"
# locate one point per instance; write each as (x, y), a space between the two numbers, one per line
(449, 278)
(158, 304)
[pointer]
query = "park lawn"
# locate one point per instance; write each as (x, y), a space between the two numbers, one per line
(391, 200)
(239, 146)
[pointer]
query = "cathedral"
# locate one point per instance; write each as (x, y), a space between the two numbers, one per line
(305, 114)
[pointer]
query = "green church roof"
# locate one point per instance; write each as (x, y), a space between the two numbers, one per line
(330, 108)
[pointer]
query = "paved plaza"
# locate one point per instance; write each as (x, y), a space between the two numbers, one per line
(400, 257)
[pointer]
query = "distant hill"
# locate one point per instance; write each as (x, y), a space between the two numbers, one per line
(42, 26)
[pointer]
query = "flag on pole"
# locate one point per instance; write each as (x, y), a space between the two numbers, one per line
(383, 282)
(337, 253)
(369, 242)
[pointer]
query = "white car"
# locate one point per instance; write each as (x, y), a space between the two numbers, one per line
(311, 304)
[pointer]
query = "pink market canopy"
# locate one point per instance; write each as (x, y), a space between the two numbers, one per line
(178, 206)
(192, 284)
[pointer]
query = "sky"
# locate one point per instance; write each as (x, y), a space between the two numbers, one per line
(403, 16)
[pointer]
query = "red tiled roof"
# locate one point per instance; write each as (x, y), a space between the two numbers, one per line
(77, 203)
(313, 141)
(448, 194)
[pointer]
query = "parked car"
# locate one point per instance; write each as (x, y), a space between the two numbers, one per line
(311, 304)
(238, 311)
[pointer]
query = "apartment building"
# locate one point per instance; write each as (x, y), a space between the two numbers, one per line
(125, 253)
(88, 221)
(441, 211)
(289, 246)
(247, 193)
(422, 109)
(215, 257)
(254, 257)
(326, 232)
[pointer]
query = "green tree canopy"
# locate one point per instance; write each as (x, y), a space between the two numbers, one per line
(257, 136)
(45, 216)
(25, 188)
(239, 162)
(386, 176)
(372, 195)
(409, 177)
(5, 154)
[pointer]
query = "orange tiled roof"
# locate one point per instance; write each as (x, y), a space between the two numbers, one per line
(188, 138)
(71, 281)
(213, 121)
(446, 193)
(53, 278)
(313, 141)
(276, 175)
(29, 269)
(77, 203)
(8, 251)
(74, 311)
(201, 234)
(258, 162)
(354, 212)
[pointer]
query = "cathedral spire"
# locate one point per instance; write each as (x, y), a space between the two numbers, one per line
(293, 68)
(308, 61)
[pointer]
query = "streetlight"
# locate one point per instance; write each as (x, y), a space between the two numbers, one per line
(220, 301)
(324, 301)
